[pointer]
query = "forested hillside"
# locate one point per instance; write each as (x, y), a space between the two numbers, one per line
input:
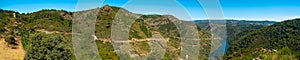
(237, 28)
(280, 40)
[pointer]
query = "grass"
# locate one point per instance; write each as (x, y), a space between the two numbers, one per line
(7, 53)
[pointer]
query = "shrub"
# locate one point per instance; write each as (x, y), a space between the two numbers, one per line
(11, 40)
(49, 47)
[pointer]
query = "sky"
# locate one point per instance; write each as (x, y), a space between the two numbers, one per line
(273, 10)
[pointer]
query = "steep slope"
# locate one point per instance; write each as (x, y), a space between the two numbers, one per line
(235, 29)
(143, 28)
(10, 43)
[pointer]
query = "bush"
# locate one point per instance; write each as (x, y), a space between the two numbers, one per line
(49, 47)
(11, 40)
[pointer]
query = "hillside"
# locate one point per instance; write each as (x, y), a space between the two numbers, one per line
(237, 28)
(30, 31)
(47, 34)
(274, 38)
(142, 29)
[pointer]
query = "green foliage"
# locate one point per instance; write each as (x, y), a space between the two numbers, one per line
(264, 54)
(52, 20)
(5, 17)
(141, 47)
(2, 29)
(170, 56)
(283, 54)
(167, 26)
(134, 34)
(41, 46)
(13, 43)
(49, 47)
(145, 30)
(52, 25)
(285, 51)
(106, 50)
(11, 40)
(139, 30)
(279, 36)
(274, 37)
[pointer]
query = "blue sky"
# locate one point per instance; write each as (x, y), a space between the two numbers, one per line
(276, 10)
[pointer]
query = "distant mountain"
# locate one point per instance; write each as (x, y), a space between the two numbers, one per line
(237, 28)
(204, 23)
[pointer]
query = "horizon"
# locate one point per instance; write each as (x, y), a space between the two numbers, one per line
(232, 9)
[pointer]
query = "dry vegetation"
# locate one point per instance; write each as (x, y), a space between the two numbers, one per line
(8, 53)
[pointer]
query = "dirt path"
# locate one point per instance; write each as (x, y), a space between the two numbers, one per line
(51, 32)
(6, 53)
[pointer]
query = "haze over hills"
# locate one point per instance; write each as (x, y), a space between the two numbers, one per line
(47, 34)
